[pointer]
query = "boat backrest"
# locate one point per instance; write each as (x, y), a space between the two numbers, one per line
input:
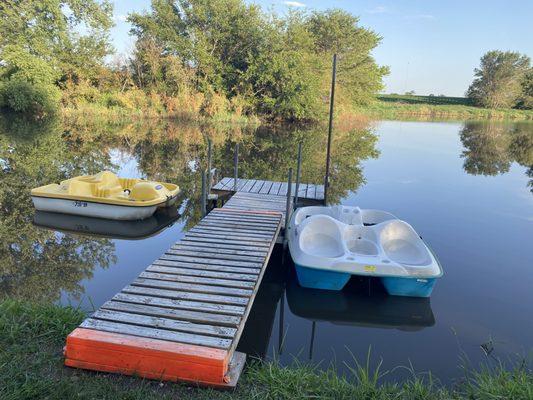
(103, 184)
(80, 188)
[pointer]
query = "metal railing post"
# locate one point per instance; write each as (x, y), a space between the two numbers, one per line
(298, 171)
(330, 127)
(203, 197)
(235, 167)
(288, 210)
(209, 165)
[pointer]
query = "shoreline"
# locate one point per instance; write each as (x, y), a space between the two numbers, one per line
(31, 366)
(439, 108)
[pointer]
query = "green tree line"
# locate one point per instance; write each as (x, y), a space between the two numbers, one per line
(207, 57)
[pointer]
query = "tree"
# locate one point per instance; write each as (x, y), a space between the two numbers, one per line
(215, 38)
(526, 99)
(41, 46)
(337, 31)
(275, 66)
(498, 80)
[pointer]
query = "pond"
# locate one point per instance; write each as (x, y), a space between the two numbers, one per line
(466, 187)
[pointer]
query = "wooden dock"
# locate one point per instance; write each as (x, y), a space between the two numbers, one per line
(182, 318)
(306, 191)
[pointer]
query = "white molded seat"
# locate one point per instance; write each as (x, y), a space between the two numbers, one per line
(321, 237)
(403, 245)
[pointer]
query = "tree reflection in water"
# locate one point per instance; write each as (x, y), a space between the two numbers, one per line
(491, 147)
(40, 264)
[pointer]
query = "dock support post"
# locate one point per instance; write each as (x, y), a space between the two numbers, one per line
(235, 167)
(204, 196)
(298, 171)
(288, 210)
(330, 128)
(209, 165)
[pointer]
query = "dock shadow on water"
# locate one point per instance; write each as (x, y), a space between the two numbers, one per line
(466, 187)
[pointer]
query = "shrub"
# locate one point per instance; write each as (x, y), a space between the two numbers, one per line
(38, 99)
(214, 104)
(116, 99)
(80, 94)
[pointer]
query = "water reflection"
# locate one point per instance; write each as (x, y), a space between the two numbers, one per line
(116, 229)
(491, 147)
(40, 264)
(359, 306)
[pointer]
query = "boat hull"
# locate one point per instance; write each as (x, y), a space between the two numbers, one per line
(96, 210)
(414, 287)
(314, 278)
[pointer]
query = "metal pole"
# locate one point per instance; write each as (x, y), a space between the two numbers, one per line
(209, 166)
(288, 208)
(281, 324)
(311, 345)
(330, 127)
(298, 170)
(204, 197)
(235, 166)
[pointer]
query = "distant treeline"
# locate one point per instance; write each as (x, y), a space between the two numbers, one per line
(205, 57)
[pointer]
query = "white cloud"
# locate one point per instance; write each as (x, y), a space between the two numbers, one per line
(294, 4)
(120, 18)
(378, 10)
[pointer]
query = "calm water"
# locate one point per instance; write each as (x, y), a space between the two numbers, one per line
(465, 187)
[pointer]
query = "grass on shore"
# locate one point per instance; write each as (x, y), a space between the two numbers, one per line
(32, 336)
(437, 107)
(119, 115)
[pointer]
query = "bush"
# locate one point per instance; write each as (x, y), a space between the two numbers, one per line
(215, 104)
(80, 94)
(37, 99)
(116, 99)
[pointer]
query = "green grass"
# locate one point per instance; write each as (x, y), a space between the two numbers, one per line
(32, 336)
(435, 108)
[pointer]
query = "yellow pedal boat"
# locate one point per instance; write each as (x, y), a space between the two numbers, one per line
(105, 195)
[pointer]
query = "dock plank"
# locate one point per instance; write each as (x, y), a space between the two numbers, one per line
(198, 273)
(206, 267)
(266, 187)
(219, 250)
(173, 293)
(249, 185)
(155, 333)
(216, 256)
(162, 275)
(181, 315)
(257, 186)
(178, 304)
(163, 323)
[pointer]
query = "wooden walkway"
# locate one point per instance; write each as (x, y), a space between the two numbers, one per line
(182, 318)
(244, 201)
(306, 191)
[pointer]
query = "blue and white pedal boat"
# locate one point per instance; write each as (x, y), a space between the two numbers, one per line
(330, 244)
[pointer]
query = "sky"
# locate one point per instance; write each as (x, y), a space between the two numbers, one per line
(431, 47)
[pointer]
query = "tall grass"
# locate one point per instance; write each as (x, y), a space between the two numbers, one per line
(31, 367)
